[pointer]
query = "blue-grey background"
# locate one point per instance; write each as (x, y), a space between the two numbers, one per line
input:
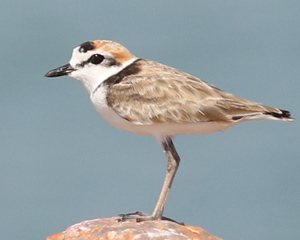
(62, 164)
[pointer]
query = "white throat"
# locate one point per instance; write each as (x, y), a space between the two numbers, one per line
(91, 76)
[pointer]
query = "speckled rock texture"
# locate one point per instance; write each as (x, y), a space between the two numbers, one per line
(111, 228)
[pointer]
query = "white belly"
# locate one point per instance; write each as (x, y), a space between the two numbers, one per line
(159, 131)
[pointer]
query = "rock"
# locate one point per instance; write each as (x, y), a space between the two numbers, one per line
(110, 228)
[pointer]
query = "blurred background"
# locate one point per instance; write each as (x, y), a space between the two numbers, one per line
(62, 164)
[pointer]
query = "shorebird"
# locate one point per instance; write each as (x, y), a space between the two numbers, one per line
(148, 98)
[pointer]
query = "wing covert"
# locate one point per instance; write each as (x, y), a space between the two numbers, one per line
(161, 94)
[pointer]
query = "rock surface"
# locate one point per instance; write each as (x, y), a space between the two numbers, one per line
(110, 228)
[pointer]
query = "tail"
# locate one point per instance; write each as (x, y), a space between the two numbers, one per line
(281, 114)
(265, 113)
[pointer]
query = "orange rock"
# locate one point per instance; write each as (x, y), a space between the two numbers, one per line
(110, 228)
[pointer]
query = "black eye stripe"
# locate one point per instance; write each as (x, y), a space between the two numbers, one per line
(99, 59)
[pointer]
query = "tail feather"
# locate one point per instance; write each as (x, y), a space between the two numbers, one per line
(268, 114)
(283, 114)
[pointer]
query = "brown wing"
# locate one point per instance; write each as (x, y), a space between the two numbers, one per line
(161, 94)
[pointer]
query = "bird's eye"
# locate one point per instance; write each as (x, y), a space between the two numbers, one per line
(96, 59)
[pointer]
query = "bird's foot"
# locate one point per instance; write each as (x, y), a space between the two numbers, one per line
(136, 217)
(140, 217)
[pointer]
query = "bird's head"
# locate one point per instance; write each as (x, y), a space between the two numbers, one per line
(93, 62)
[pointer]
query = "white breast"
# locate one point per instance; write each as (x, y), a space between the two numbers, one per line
(98, 98)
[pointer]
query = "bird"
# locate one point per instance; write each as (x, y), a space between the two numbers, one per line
(145, 97)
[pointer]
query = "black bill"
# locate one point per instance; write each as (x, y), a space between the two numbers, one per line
(60, 71)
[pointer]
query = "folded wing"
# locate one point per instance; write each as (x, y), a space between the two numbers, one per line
(161, 94)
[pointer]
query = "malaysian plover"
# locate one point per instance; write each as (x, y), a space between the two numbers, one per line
(149, 98)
